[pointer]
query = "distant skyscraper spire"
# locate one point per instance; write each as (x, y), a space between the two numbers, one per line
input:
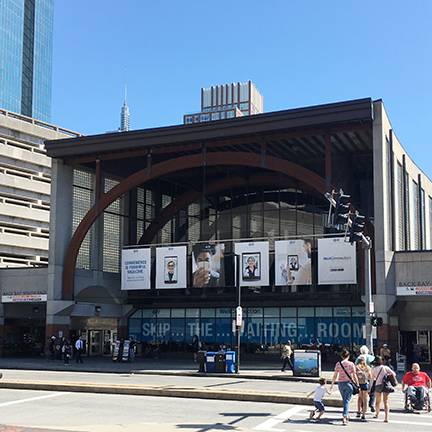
(124, 117)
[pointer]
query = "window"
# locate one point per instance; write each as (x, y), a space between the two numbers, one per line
(400, 208)
(423, 218)
(416, 215)
(189, 120)
(407, 213)
(215, 116)
(389, 197)
(205, 117)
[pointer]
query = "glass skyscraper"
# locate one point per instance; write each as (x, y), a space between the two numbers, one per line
(26, 55)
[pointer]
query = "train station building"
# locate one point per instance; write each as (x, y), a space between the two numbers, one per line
(152, 231)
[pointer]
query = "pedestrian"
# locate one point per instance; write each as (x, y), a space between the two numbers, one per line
(323, 351)
(62, 349)
(131, 350)
(67, 351)
(319, 393)
(417, 385)
(364, 354)
(79, 346)
(51, 347)
(347, 375)
(385, 354)
(286, 356)
(120, 351)
(363, 375)
(195, 346)
(378, 373)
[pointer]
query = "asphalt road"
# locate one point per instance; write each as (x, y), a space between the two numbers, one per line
(67, 411)
(64, 411)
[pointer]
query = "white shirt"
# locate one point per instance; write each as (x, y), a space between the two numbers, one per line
(79, 344)
(319, 393)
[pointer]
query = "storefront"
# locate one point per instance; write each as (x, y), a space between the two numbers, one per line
(264, 329)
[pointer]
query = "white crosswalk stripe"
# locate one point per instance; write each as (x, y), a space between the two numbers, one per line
(299, 416)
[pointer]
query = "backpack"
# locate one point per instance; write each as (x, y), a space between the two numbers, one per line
(362, 377)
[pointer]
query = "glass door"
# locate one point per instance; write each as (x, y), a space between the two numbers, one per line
(422, 348)
(95, 342)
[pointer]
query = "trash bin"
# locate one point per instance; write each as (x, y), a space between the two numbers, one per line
(201, 359)
(230, 359)
(210, 361)
(220, 365)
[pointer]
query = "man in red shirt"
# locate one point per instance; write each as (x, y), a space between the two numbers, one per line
(415, 383)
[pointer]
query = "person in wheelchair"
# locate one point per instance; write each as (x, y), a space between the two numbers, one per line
(415, 385)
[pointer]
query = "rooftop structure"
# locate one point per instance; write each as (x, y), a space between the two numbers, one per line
(227, 101)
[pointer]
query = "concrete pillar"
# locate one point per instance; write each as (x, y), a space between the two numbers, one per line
(60, 236)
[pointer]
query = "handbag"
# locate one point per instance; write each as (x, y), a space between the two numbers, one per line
(387, 385)
(373, 388)
(356, 388)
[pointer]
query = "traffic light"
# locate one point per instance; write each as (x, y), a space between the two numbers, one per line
(376, 321)
(356, 229)
(341, 212)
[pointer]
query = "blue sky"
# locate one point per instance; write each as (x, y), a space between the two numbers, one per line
(297, 52)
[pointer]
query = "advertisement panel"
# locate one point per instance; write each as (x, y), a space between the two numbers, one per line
(207, 265)
(293, 262)
(336, 262)
(254, 263)
(135, 269)
(171, 267)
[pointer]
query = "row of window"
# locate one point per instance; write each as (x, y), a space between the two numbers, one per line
(414, 214)
(216, 326)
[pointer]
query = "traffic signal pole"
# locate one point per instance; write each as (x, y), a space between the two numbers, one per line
(356, 234)
(367, 246)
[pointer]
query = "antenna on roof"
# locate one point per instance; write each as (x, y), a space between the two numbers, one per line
(124, 117)
(125, 85)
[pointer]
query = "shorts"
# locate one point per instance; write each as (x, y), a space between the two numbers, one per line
(364, 387)
(319, 406)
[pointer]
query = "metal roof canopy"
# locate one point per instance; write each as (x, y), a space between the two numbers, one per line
(302, 129)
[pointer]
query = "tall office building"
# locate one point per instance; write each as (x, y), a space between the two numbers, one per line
(227, 101)
(26, 57)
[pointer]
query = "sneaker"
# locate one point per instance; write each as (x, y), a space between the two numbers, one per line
(358, 415)
(345, 422)
(372, 409)
(311, 414)
(363, 418)
(318, 420)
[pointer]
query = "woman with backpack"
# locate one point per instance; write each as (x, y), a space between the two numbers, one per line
(363, 375)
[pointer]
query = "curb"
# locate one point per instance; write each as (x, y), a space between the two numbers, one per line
(168, 391)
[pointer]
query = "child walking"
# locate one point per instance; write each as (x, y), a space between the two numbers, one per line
(319, 392)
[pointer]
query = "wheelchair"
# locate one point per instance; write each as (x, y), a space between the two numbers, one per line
(417, 406)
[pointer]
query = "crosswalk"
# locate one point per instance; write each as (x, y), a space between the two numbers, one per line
(296, 419)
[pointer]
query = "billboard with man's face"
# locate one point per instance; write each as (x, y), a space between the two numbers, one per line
(171, 267)
(207, 265)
